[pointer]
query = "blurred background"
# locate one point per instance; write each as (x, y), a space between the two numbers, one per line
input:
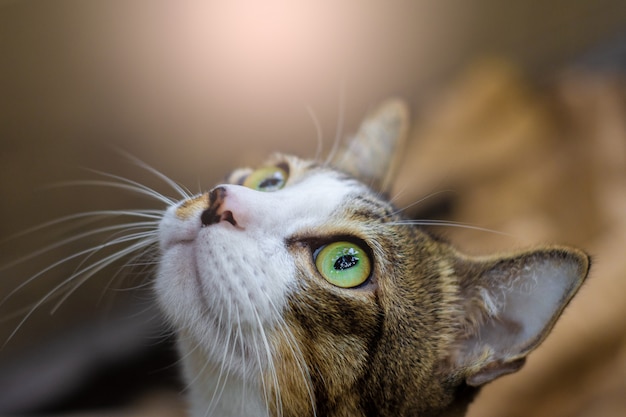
(519, 117)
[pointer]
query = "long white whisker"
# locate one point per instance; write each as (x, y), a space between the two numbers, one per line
(270, 365)
(221, 378)
(296, 352)
(44, 299)
(421, 200)
(446, 224)
(398, 194)
(244, 363)
(148, 262)
(125, 184)
(221, 385)
(89, 271)
(340, 122)
(89, 215)
(257, 354)
(197, 346)
(183, 192)
(147, 241)
(127, 226)
(318, 131)
(138, 185)
(67, 258)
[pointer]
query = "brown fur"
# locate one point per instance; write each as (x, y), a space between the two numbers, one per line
(391, 349)
(387, 351)
(429, 326)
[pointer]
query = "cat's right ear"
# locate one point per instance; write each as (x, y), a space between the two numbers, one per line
(373, 154)
(508, 305)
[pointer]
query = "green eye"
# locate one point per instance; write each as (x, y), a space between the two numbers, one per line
(266, 179)
(343, 264)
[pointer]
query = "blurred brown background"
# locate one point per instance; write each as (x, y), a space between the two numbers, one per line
(520, 117)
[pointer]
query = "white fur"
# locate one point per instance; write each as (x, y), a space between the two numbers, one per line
(223, 286)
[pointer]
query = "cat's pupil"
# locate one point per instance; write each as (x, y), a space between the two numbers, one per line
(346, 262)
(270, 182)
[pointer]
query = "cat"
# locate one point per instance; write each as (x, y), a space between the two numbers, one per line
(298, 289)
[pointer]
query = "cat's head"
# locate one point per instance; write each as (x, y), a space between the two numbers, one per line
(298, 288)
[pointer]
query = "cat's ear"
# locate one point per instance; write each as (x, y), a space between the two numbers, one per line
(373, 153)
(509, 305)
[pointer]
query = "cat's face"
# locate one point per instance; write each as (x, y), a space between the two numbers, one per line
(298, 289)
(234, 259)
(276, 281)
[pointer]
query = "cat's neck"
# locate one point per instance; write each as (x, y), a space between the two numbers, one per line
(218, 392)
(215, 391)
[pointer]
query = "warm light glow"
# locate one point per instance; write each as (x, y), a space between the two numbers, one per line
(279, 51)
(195, 69)
(268, 48)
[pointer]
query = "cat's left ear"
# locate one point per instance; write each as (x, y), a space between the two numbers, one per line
(509, 305)
(373, 154)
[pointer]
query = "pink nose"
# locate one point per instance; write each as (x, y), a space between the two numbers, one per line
(217, 212)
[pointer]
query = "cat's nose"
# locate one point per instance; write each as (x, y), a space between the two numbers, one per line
(217, 212)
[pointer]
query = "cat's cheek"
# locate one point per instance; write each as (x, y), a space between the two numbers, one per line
(176, 284)
(174, 230)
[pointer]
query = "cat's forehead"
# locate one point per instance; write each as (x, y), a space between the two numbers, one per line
(329, 200)
(360, 202)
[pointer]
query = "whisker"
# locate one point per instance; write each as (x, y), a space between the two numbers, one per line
(397, 195)
(107, 261)
(144, 259)
(270, 365)
(340, 122)
(257, 355)
(89, 215)
(220, 383)
(296, 352)
(447, 224)
(126, 226)
(197, 346)
(125, 184)
(92, 269)
(182, 191)
(76, 255)
(242, 346)
(147, 241)
(421, 200)
(318, 131)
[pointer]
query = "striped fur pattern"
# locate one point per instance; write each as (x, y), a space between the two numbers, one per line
(262, 333)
